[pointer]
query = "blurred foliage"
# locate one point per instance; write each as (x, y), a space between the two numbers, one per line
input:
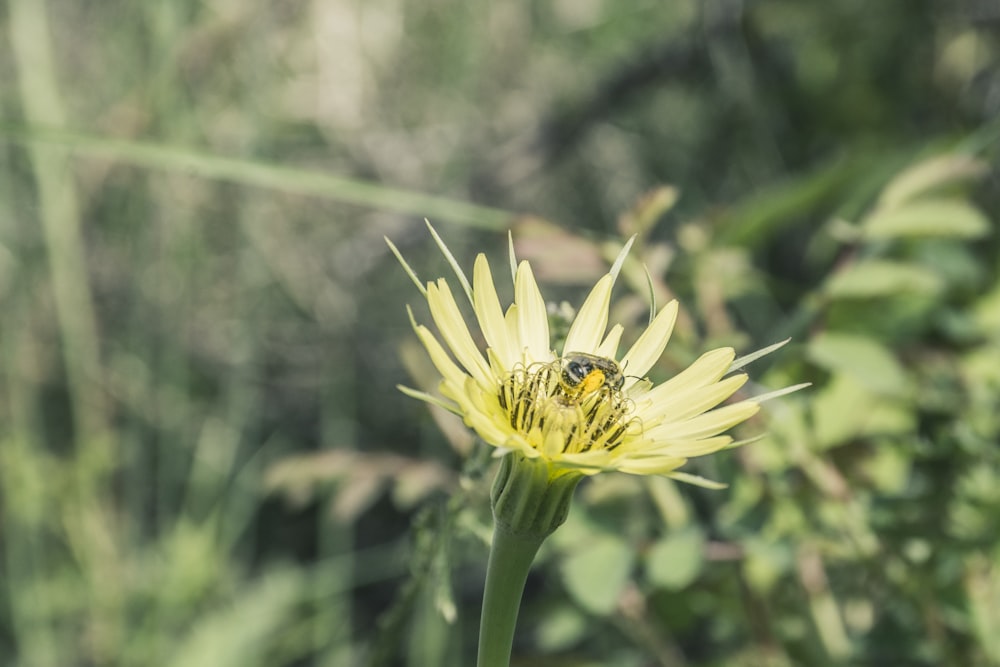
(203, 456)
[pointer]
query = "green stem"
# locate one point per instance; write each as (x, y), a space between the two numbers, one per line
(530, 500)
(511, 556)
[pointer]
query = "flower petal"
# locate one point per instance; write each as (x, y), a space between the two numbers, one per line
(459, 273)
(490, 314)
(688, 449)
(780, 392)
(511, 257)
(697, 480)
(589, 463)
(455, 332)
(406, 267)
(657, 465)
(591, 320)
(609, 346)
(754, 356)
(510, 319)
(481, 412)
(706, 424)
(686, 404)
(428, 398)
(708, 368)
(448, 369)
(644, 353)
(622, 254)
(532, 318)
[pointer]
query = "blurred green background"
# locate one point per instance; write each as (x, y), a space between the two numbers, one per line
(203, 456)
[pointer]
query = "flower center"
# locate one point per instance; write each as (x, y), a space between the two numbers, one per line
(563, 407)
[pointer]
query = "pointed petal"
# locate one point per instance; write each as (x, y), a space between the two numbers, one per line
(591, 320)
(510, 319)
(490, 314)
(644, 353)
(780, 392)
(455, 332)
(658, 465)
(708, 368)
(697, 480)
(689, 449)
(588, 463)
(746, 441)
(512, 257)
(651, 293)
(553, 441)
(406, 267)
(706, 424)
(684, 405)
(620, 260)
(609, 347)
(462, 280)
(754, 356)
(532, 318)
(482, 414)
(429, 398)
(448, 369)
(498, 368)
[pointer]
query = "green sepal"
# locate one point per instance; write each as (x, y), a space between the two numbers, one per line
(530, 497)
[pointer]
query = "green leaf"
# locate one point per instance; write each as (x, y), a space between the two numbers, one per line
(987, 312)
(982, 585)
(845, 410)
(561, 628)
(954, 261)
(595, 574)
(876, 278)
(888, 468)
(926, 217)
(868, 362)
(766, 562)
(932, 174)
(239, 633)
(676, 559)
(765, 213)
(980, 368)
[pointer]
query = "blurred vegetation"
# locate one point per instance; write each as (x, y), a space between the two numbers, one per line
(203, 456)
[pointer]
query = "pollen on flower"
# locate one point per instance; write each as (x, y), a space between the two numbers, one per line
(557, 416)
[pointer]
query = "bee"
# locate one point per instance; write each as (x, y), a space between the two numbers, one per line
(581, 374)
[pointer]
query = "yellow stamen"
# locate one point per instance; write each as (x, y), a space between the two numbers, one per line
(566, 420)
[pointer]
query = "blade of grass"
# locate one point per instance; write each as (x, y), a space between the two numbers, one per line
(260, 174)
(60, 217)
(25, 496)
(87, 526)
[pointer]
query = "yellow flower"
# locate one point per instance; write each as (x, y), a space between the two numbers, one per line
(582, 408)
